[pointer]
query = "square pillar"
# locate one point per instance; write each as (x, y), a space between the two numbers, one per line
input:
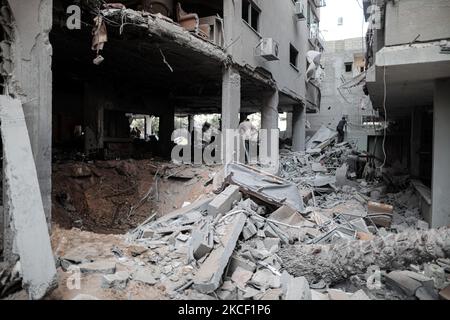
(166, 128)
(416, 135)
(270, 133)
(231, 106)
(31, 82)
(440, 215)
(298, 128)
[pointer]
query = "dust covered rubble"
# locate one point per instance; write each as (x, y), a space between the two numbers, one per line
(226, 246)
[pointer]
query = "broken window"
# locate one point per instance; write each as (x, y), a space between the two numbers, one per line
(348, 67)
(293, 55)
(250, 14)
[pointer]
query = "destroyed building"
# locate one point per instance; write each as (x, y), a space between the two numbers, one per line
(94, 207)
(408, 82)
(342, 96)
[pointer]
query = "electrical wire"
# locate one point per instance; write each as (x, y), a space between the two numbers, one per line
(385, 118)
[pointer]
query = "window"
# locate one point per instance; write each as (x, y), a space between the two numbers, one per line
(348, 67)
(293, 55)
(340, 21)
(250, 14)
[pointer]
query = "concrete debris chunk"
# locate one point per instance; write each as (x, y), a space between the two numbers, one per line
(249, 230)
(116, 281)
(145, 275)
(22, 195)
(401, 281)
(316, 295)
(295, 288)
(85, 297)
(224, 201)
(241, 277)
(238, 261)
(335, 294)
(105, 267)
(209, 275)
(359, 295)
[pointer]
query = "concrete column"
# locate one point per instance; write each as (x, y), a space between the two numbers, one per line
(31, 82)
(166, 128)
(191, 123)
(269, 137)
(416, 133)
(231, 106)
(440, 215)
(93, 112)
(298, 128)
(232, 15)
(289, 124)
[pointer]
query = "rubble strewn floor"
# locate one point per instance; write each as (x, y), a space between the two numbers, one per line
(209, 236)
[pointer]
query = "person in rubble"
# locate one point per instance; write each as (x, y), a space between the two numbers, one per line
(247, 131)
(341, 128)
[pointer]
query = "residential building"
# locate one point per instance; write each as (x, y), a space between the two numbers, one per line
(342, 95)
(408, 80)
(85, 69)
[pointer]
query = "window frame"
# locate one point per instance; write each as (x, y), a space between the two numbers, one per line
(251, 8)
(292, 49)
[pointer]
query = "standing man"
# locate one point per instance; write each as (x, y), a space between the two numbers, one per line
(341, 128)
(248, 133)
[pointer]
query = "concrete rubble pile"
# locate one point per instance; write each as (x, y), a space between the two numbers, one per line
(315, 233)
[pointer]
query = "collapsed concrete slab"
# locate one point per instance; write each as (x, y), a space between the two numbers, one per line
(23, 202)
(224, 201)
(209, 276)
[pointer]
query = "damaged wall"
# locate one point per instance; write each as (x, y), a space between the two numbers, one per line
(30, 78)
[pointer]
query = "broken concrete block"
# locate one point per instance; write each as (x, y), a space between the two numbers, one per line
(137, 250)
(116, 281)
(23, 202)
(295, 288)
(105, 267)
(272, 294)
(238, 261)
(224, 201)
(316, 295)
(201, 244)
(401, 281)
(272, 244)
(250, 293)
(269, 232)
(145, 275)
(422, 225)
(318, 167)
(424, 293)
(209, 275)
(445, 293)
(359, 295)
(335, 294)
(249, 230)
(437, 273)
(85, 297)
(265, 279)
(241, 277)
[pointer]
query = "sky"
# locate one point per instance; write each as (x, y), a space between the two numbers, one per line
(352, 20)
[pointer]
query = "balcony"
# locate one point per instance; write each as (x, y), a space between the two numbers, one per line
(316, 38)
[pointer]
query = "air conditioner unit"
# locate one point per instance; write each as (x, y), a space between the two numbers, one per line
(300, 9)
(269, 49)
